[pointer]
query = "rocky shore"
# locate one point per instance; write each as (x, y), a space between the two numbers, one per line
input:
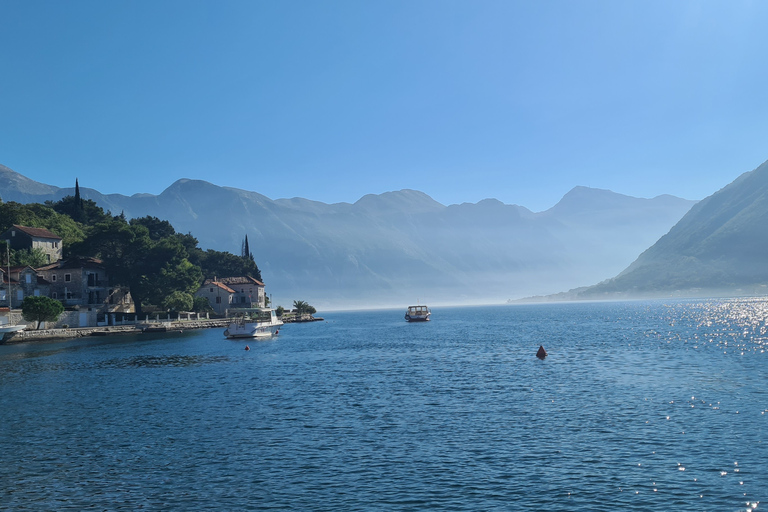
(79, 332)
(144, 327)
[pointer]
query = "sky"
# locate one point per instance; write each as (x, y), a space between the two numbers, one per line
(331, 100)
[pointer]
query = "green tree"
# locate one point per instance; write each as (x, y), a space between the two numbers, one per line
(84, 211)
(178, 301)
(152, 269)
(280, 310)
(34, 257)
(201, 305)
(41, 216)
(302, 308)
(41, 309)
(224, 264)
(158, 229)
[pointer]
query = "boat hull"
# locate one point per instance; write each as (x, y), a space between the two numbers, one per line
(234, 331)
(264, 324)
(4, 329)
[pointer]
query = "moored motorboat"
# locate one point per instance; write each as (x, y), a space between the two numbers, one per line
(417, 314)
(4, 329)
(262, 323)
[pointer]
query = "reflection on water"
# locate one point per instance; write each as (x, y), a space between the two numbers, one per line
(639, 406)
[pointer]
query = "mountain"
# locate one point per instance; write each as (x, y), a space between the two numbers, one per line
(398, 247)
(718, 247)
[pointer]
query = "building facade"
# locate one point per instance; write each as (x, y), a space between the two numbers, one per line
(80, 281)
(20, 283)
(25, 238)
(219, 296)
(233, 292)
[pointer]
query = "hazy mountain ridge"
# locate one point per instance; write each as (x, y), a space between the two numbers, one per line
(718, 247)
(395, 247)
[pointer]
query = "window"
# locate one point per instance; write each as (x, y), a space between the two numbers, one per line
(211, 290)
(54, 295)
(53, 278)
(37, 292)
(218, 300)
(67, 278)
(20, 294)
(29, 278)
(2, 294)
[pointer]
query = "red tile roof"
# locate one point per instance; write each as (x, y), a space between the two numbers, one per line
(235, 280)
(37, 232)
(222, 286)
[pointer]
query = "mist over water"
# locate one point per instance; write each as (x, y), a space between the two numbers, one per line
(639, 406)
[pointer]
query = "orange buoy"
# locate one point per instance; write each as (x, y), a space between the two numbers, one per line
(247, 347)
(541, 354)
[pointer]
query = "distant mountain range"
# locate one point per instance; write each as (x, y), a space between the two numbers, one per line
(719, 247)
(396, 248)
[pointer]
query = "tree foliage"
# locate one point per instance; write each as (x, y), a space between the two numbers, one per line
(152, 261)
(302, 308)
(84, 211)
(178, 301)
(224, 264)
(41, 216)
(34, 257)
(145, 254)
(201, 305)
(41, 309)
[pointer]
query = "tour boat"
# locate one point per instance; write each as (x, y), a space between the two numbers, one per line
(417, 314)
(262, 323)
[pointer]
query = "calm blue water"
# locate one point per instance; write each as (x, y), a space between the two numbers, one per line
(639, 406)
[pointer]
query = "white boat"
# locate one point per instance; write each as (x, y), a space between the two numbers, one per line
(5, 329)
(261, 323)
(417, 314)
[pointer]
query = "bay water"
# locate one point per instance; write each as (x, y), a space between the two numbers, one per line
(656, 405)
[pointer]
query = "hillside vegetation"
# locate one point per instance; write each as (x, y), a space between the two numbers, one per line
(145, 254)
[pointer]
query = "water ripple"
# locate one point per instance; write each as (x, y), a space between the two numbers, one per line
(639, 406)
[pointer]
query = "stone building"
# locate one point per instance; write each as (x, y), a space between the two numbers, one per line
(22, 282)
(22, 237)
(79, 281)
(233, 292)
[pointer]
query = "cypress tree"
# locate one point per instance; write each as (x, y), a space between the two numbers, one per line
(79, 212)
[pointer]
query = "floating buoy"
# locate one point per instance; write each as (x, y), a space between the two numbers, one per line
(277, 331)
(541, 354)
(247, 347)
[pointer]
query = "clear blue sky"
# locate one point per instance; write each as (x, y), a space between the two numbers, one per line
(331, 100)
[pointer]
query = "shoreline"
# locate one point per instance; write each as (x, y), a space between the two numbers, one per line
(27, 336)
